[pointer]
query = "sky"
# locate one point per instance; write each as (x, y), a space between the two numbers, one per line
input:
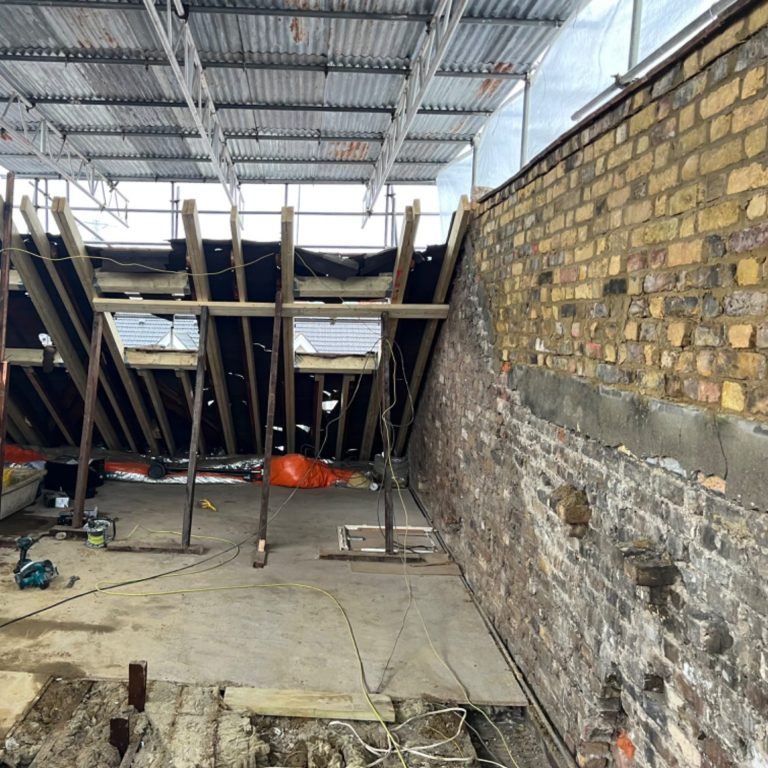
(313, 229)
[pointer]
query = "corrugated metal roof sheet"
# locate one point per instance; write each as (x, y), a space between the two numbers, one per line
(290, 38)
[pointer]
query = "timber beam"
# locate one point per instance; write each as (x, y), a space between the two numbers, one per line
(250, 363)
(267, 309)
(199, 269)
(53, 325)
(76, 250)
(286, 285)
(43, 245)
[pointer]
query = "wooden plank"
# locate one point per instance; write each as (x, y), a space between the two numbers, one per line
(86, 436)
(166, 359)
(387, 437)
(5, 273)
(53, 325)
(52, 411)
(342, 419)
(15, 433)
(143, 283)
(267, 309)
(23, 425)
(251, 383)
(43, 246)
(309, 704)
(15, 283)
(286, 283)
(76, 249)
(344, 364)
(30, 358)
(452, 250)
(119, 734)
(194, 440)
(199, 270)
(375, 287)
(186, 385)
(160, 412)
(259, 560)
(400, 281)
(318, 425)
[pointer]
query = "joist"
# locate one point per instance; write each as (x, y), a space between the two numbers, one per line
(46, 401)
(286, 284)
(399, 283)
(267, 309)
(166, 359)
(76, 250)
(25, 427)
(375, 287)
(338, 364)
(199, 269)
(30, 358)
(342, 418)
(43, 246)
(251, 383)
(452, 250)
(160, 412)
(145, 284)
(310, 704)
(189, 396)
(53, 325)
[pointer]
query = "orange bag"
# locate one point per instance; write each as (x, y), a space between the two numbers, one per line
(297, 471)
(15, 454)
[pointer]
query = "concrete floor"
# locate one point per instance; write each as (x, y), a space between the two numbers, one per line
(282, 637)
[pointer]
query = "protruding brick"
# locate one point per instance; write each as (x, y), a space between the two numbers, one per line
(733, 396)
(571, 505)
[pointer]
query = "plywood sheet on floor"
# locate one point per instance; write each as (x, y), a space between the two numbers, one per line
(18, 692)
(287, 636)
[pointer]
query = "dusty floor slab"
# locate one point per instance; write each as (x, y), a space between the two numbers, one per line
(274, 628)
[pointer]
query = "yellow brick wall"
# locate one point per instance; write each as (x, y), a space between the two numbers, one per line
(634, 253)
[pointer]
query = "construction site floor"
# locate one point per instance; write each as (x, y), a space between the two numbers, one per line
(273, 633)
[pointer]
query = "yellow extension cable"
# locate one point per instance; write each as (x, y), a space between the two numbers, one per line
(106, 588)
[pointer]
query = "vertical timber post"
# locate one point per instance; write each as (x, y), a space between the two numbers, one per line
(5, 272)
(194, 440)
(260, 558)
(86, 436)
(386, 433)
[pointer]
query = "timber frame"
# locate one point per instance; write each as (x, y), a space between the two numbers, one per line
(142, 395)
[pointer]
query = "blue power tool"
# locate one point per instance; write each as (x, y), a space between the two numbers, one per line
(32, 573)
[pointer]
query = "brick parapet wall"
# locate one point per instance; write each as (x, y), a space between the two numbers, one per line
(632, 597)
(634, 254)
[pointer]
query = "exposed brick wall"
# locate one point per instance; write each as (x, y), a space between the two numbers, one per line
(635, 254)
(632, 598)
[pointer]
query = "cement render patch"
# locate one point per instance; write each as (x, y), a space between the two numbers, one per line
(698, 440)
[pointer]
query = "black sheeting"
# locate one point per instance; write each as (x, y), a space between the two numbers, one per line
(262, 277)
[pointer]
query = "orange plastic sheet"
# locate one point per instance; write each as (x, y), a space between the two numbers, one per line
(297, 471)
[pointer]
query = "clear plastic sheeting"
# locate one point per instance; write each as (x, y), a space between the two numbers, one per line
(498, 151)
(661, 19)
(582, 62)
(453, 181)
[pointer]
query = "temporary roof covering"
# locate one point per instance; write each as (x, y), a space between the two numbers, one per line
(304, 91)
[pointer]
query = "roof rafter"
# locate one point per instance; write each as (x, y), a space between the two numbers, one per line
(110, 57)
(190, 78)
(429, 54)
(314, 13)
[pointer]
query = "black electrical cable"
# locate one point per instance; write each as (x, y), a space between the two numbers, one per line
(126, 583)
